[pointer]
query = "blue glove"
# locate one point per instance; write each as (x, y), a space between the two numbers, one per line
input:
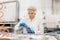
(23, 25)
(30, 31)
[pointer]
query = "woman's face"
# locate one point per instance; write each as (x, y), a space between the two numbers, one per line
(31, 13)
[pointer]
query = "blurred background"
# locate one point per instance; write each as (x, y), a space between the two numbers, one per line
(47, 10)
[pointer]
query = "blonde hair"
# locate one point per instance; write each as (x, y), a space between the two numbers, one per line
(32, 8)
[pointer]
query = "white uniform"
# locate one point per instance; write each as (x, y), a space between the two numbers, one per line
(35, 24)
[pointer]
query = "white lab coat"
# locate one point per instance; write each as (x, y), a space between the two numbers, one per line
(35, 24)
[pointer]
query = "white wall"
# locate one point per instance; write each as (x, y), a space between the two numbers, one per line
(51, 19)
